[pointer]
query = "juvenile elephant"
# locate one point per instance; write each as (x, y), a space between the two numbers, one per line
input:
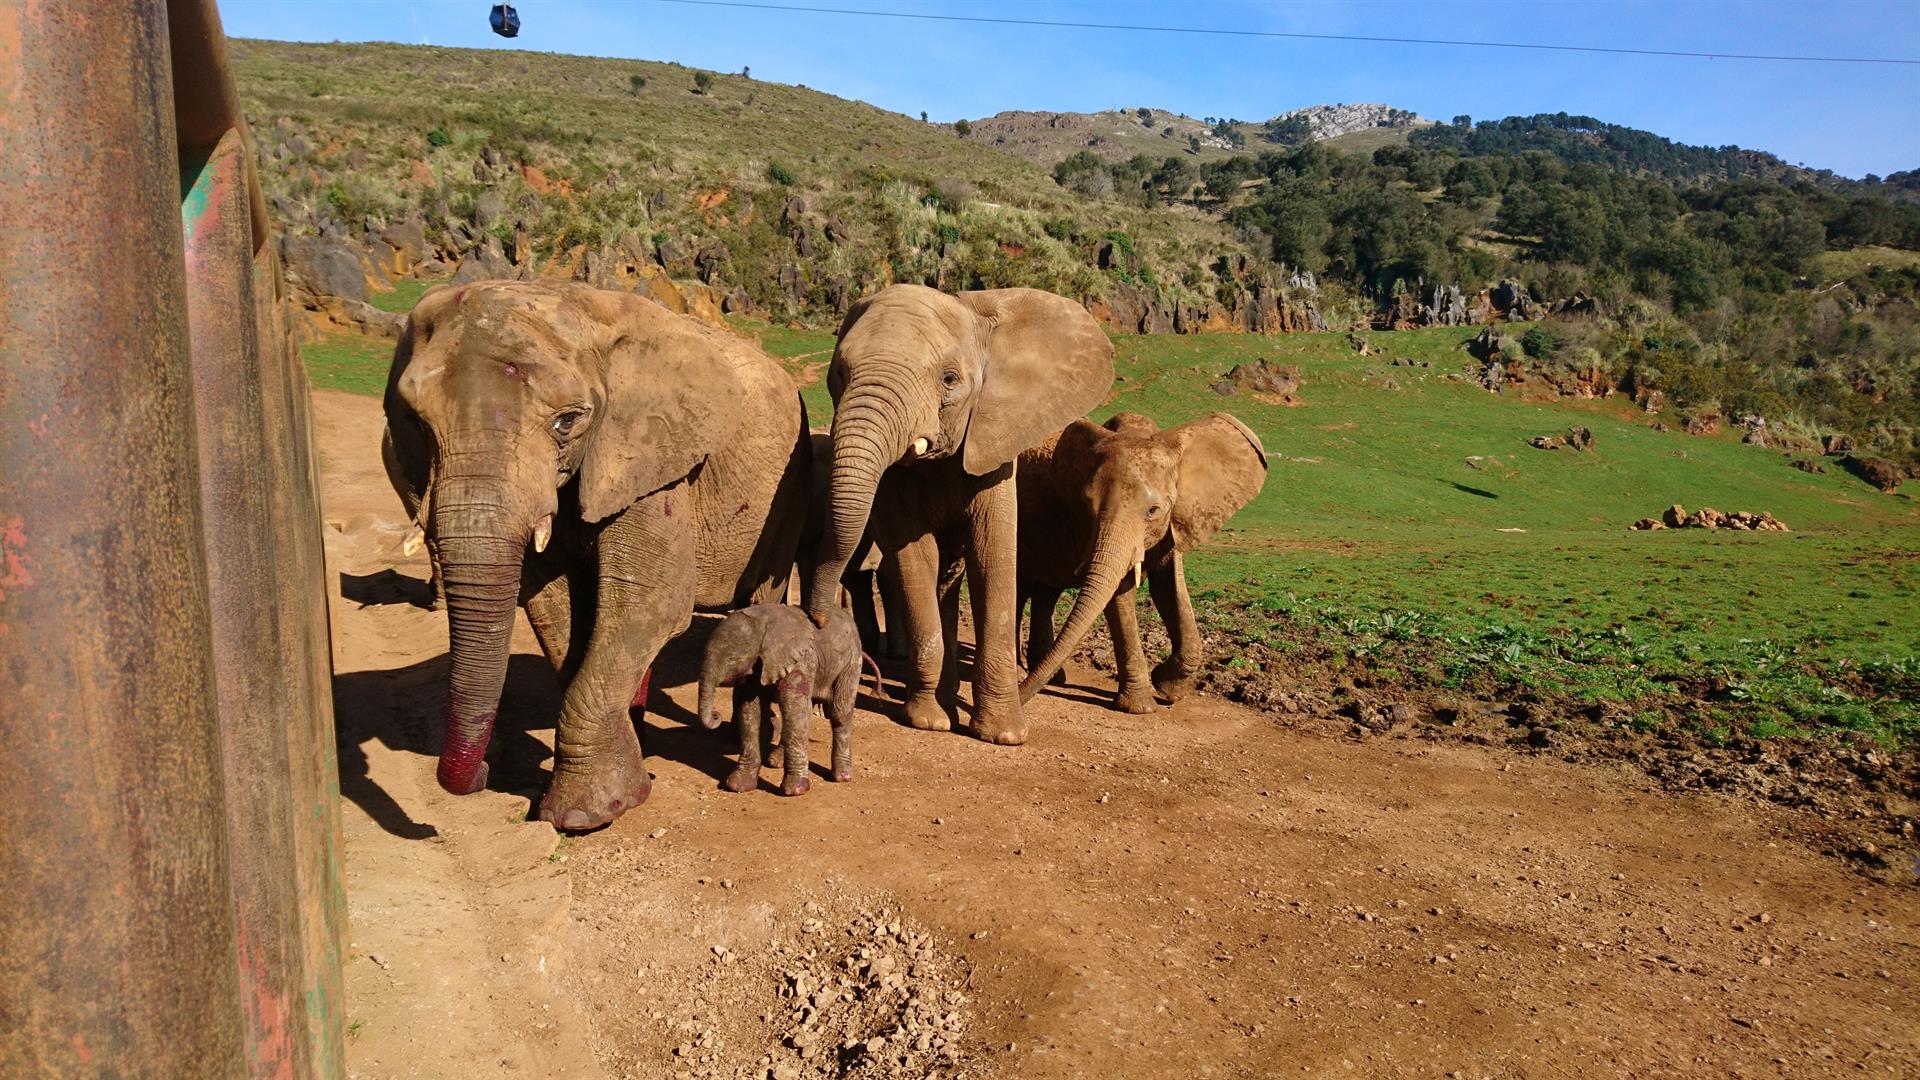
(935, 396)
(1099, 504)
(794, 664)
(609, 466)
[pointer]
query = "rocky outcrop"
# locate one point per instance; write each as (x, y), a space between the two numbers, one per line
(1332, 121)
(1576, 438)
(1676, 517)
(1264, 381)
(1881, 473)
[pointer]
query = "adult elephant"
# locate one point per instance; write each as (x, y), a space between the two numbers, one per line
(935, 396)
(1098, 505)
(609, 466)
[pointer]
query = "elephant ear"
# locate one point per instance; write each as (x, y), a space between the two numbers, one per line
(1222, 466)
(406, 448)
(672, 398)
(1047, 364)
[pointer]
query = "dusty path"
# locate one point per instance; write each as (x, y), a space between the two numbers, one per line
(1200, 893)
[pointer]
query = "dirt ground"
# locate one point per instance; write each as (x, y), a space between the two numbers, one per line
(1203, 892)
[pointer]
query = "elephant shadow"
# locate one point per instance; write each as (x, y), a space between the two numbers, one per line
(384, 587)
(403, 709)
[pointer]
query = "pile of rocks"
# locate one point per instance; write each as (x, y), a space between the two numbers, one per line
(1577, 438)
(1707, 517)
(1276, 383)
(878, 998)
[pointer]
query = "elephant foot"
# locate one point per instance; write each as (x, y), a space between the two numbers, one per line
(842, 774)
(596, 791)
(924, 711)
(744, 777)
(794, 785)
(1172, 680)
(1002, 727)
(1136, 699)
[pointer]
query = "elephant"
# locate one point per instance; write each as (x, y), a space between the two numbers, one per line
(935, 396)
(1101, 504)
(609, 466)
(795, 664)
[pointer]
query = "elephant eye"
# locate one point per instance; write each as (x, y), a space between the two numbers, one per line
(951, 379)
(564, 423)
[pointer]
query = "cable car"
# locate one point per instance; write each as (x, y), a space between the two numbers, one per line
(504, 20)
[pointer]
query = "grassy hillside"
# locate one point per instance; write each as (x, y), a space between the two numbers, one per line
(590, 150)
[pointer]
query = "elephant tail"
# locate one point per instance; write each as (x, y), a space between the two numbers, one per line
(879, 685)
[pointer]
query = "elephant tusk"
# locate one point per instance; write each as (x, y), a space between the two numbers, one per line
(920, 446)
(1138, 576)
(411, 545)
(542, 532)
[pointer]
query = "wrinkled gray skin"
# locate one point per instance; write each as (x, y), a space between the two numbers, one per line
(1100, 506)
(863, 570)
(935, 395)
(609, 466)
(783, 658)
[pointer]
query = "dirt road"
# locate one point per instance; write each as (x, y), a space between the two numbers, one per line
(1200, 892)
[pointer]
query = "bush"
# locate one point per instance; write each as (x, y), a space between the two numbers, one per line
(1539, 343)
(962, 128)
(438, 137)
(636, 83)
(778, 173)
(701, 81)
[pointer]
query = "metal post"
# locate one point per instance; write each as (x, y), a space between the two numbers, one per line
(117, 952)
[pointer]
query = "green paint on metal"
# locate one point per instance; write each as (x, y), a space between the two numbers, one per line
(196, 191)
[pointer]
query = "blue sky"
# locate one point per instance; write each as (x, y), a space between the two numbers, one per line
(1853, 118)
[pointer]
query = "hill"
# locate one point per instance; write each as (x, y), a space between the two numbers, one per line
(724, 192)
(1048, 138)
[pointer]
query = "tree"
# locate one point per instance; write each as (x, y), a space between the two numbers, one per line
(923, 116)
(1172, 178)
(1145, 115)
(746, 72)
(962, 128)
(1287, 130)
(1463, 121)
(1193, 144)
(701, 81)
(635, 84)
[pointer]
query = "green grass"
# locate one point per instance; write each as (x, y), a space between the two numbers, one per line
(1376, 538)
(406, 293)
(1375, 542)
(341, 360)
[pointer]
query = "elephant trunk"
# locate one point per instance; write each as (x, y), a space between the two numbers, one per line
(479, 546)
(1116, 556)
(868, 436)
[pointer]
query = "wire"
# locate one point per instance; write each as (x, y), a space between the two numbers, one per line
(1284, 34)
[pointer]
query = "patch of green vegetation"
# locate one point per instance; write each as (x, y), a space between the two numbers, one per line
(347, 361)
(1414, 531)
(406, 293)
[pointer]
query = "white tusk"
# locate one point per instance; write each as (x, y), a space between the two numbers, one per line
(920, 447)
(411, 545)
(542, 532)
(1138, 577)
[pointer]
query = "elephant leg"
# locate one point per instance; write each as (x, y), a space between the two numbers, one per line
(994, 514)
(866, 620)
(949, 692)
(840, 709)
(796, 723)
(893, 606)
(1135, 693)
(747, 717)
(1040, 630)
(1167, 582)
(918, 564)
(559, 607)
(645, 596)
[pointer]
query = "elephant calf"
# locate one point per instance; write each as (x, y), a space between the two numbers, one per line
(795, 664)
(1100, 507)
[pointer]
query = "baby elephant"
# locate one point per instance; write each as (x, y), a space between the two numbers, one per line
(796, 665)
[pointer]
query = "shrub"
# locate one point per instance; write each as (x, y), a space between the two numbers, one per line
(962, 127)
(1539, 343)
(438, 137)
(778, 173)
(635, 84)
(701, 81)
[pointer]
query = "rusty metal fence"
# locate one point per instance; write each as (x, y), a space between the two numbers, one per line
(170, 891)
